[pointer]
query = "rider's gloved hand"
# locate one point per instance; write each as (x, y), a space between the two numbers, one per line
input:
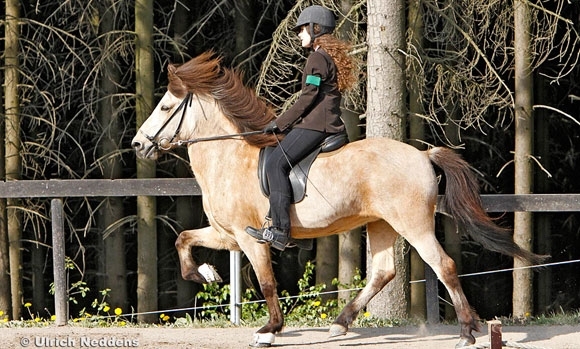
(271, 127)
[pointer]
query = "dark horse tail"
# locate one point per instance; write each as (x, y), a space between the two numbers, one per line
(462, 201)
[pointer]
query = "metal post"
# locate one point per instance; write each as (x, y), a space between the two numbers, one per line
(58, 262)
(235, 286)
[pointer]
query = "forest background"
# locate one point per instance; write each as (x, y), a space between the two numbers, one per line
(75, 92)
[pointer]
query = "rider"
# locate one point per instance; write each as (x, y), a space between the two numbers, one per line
(329, 70)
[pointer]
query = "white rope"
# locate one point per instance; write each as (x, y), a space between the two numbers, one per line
(509, 269)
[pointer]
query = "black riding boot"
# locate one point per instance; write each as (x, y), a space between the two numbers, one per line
(277, 237)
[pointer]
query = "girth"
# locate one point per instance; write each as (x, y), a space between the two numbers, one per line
(299, 172)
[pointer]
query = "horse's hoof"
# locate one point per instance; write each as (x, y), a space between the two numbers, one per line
(337, 330)
(263, 340)
(464, 342)
(209, 273)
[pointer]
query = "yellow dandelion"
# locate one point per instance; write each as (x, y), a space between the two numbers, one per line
(367, 314)
(106, 308)
(5, 319)
(317, 303)
(166, 318)
(118, 311)
(27, 305)
(323, 316)
(1, 312)
(37, 319)
(53, 317)
(122, 323)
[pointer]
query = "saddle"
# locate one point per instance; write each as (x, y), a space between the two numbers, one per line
(299, 173)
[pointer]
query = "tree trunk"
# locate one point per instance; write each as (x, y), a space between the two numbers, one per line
(186, 208)
(5, 301)
(543, 221)
(386, 114)
(452, 236)
(37, 260)
(349, 254)
(146, 205)
(523, 223)
(327, 263)
(244, 29)
(418, 307)
(111, 210)
(13, 145)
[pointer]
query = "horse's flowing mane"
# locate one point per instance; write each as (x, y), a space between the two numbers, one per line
(203, 75)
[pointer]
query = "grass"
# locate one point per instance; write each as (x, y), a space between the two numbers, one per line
(364, 320)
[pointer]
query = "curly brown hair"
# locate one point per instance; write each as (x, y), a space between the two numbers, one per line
(338, 50)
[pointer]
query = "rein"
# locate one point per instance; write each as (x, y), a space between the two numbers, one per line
(216, 138)
(165, 144)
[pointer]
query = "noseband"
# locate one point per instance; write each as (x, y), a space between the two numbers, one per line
(164, 143)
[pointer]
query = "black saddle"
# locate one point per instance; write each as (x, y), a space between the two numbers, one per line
(299, 173)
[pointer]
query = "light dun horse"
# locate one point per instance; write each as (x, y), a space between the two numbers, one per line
(387, 185)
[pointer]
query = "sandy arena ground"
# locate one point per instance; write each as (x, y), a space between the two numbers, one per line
(409, 337)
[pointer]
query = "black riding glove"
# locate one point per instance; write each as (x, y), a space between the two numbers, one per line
(271, 127)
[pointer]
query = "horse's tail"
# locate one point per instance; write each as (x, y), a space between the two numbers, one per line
(462, 201)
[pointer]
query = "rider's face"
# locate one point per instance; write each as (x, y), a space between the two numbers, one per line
(304, 36)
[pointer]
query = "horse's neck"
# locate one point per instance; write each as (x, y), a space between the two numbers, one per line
(215, 161)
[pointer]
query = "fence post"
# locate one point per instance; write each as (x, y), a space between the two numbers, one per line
(431, 295)
(494, 333)
(58, 262)
(235, 286)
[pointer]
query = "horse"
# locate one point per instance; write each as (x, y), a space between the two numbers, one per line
(388, 185)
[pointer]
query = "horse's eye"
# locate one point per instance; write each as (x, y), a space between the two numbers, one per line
(165, 108)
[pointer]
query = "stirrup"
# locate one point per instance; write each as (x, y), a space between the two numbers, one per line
(304, 244)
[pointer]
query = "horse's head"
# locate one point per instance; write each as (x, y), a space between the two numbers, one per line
(162, 129)
(202, 99)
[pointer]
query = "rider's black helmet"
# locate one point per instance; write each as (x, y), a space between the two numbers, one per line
(316, 15)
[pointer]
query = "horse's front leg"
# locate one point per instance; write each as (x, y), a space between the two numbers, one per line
(206, 237)
(259, 257)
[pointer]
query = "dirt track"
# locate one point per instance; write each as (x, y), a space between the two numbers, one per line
(420, 337)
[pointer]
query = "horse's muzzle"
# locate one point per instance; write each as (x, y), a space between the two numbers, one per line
(144, 149)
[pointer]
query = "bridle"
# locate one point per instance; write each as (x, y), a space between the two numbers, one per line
(165, 143)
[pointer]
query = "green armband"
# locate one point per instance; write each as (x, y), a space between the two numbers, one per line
(313, 80)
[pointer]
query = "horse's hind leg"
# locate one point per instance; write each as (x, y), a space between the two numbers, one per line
(381, 239)
(433, 254)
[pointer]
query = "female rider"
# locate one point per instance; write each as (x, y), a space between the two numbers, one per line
(329, 70)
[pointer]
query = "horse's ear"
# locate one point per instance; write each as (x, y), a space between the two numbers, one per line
(176, 86)
(171, 69)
